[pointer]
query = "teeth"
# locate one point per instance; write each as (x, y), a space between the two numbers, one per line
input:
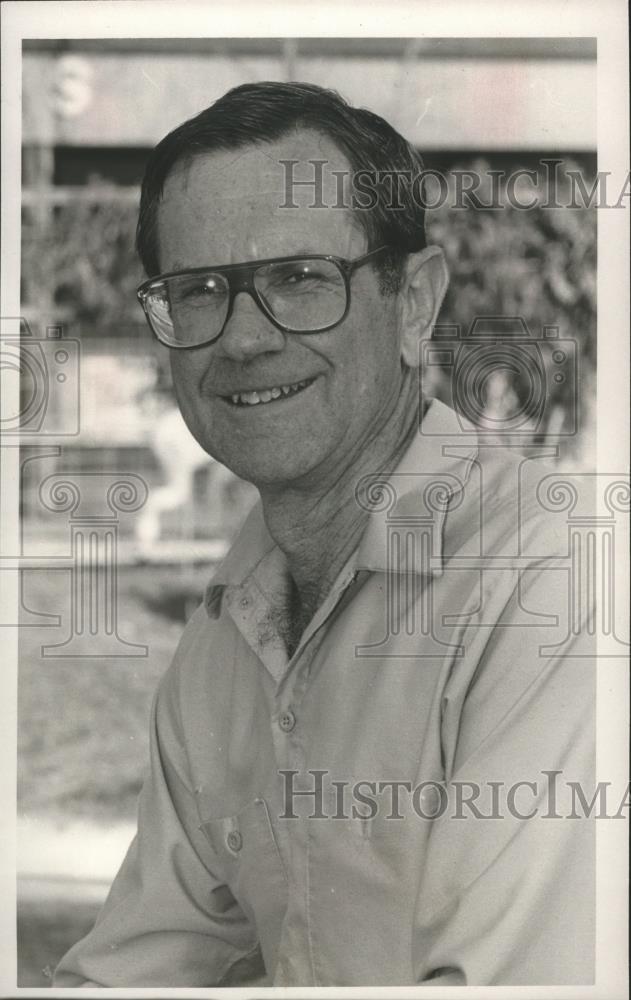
(266, 395)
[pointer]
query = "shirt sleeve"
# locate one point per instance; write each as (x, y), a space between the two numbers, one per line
(169, 919)
(508, 888)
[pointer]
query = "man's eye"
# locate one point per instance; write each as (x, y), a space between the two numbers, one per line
(207, 289)
(301, 277)
(200, 291)
(296, 277)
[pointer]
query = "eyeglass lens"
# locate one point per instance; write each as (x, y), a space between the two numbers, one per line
(305, 295)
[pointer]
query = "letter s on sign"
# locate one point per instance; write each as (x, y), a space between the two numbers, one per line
(72, 86)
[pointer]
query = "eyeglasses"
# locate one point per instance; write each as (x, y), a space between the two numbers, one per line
(306, 294)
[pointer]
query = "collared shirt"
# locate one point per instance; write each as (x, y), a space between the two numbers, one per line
(391, 805)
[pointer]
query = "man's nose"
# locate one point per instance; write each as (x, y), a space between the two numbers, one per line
(248, 332)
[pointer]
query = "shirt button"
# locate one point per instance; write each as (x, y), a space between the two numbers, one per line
(287, 721)
(430, 801)
(234, 840)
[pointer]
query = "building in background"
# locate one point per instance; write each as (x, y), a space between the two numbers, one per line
(93, 109)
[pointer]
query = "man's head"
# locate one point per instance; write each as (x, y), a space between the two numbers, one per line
(214, 195)
(260, 113)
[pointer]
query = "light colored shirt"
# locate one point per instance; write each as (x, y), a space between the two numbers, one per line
(446, 658)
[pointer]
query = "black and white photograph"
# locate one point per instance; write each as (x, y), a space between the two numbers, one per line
(315, 499)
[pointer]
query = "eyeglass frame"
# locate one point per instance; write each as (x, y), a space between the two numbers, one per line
(242, 276)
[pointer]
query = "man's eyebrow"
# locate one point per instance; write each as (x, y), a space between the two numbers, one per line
(301, 251)
(179, 265)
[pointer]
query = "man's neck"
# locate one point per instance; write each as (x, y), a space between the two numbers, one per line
(318, 528)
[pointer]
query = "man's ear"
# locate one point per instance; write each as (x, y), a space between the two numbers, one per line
(424, 285)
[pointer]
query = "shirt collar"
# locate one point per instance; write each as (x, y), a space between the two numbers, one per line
(414, 501)
(250, 547)
(415, 497)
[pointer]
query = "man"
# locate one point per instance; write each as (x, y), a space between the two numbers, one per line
(370, 655)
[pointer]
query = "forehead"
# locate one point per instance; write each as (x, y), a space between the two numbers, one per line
(241, 204)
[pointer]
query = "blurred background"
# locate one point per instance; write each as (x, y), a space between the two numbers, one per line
(97, 406)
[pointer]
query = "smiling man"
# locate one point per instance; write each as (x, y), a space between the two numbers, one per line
(304, 821)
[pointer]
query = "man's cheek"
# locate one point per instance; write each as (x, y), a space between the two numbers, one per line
(185, 378)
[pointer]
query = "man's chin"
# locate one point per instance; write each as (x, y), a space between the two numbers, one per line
(270, 472)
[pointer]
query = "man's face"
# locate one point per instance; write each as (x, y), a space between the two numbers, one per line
(225, 208)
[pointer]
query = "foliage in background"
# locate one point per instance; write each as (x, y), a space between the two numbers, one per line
(539, 263)
(83, 258)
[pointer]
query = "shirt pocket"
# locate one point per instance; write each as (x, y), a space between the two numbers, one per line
(246, 849)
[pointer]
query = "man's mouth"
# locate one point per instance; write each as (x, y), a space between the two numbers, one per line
(256, 396)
